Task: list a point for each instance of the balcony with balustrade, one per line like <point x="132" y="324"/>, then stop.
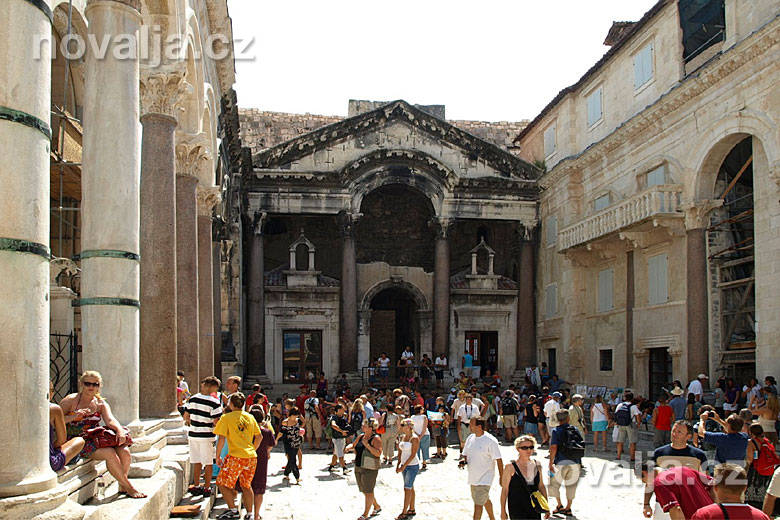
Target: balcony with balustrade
<point x="656" y="205"/>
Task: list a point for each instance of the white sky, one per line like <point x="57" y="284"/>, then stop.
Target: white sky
<point x="486" y="60"/>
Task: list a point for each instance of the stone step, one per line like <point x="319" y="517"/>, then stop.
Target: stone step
<point x="144" y="456"/>
<point x="145" y="469"/>
<point x="177" y="436"/>
<point x="156" y="439"/>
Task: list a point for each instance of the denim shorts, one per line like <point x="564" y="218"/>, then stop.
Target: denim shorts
<point x="410" y="473"/>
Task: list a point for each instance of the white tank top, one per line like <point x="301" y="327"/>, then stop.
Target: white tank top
<point x="419" y="422"/>
<point x="598" y="413"/>
<point x="406" y="450"/>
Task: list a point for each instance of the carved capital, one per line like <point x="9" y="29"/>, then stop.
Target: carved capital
<point x="163" y="92"/>
<point x="346" y="222"/>
<point x="258" y="221"/>
<point x="526" y="230"/>
<point x="697" y="213"/>
<point x="192" y="155"/>
<point x="208" y="198"/>
<point x="442" y="227"/>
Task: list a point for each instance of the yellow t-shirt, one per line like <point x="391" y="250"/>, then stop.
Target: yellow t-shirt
<point x="239" y="428"/>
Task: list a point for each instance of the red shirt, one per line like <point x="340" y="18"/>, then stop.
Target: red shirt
<point x="663" y="417"/>
<point x="300" y="401"/>
<point x="735" y="512"/>
<point x="682" y="487"/>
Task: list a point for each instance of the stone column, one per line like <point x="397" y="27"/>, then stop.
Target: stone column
<point x="25" y="97"/>
<point x="207" y="199"/>
<point x="526" y="328"/>
<point x="190" y="154"/>
<point x="110" y="211"/>
<point x="441" y="289"/>
<point x="216" y="261"/>
<point x="160" y="92"/>
<point x="348" y="328"/>
<point x="256" y="300"/>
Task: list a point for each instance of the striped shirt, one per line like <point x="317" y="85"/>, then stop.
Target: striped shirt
<point x="203" y="409"/>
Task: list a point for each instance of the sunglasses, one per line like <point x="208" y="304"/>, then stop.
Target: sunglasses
<point x="525" y="448"/>
<point x="90" y="383"/>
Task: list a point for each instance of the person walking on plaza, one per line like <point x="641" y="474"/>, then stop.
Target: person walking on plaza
<point x="678" y="403"/>
<point x="465" y="413"/>
<point x="577" y="415"/>
<point x="767" y="413"/>
<point x="761" y="462"/>
<point x="467" y="363"/>
<point x="509" y="408"/>
<point x="340" y="428"/>
<point x="730" y="482"/>
<point x="420" y="420"/>
<point x="408" y="465"/>
<point x="439" y="366"/>
<point x="522" y="478"/>
<point x="566" y="451"/>
<point x="391" y="419"/>
<point x="627" y="418"/>
<point x="439" y="429"/>
<point x="313" y="418"/>
<point x="201" y="413"/>
<point x="598" y="422"/>
<point x="368" y="450"/>
<point x="696" y="387"/>
<point x="290" y="433"/>
<point x="730" y="446"/>
<point x="551" y="408"/>
<point x="662" y="422"/>
<point x="242" y="434"/>
<point x="267" y="443"/>
<point x="481" y="455"/>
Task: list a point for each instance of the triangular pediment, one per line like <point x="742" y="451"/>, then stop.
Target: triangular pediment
<point x="391" y="115"/>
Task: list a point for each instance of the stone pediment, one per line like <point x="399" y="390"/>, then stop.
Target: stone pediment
<point x="396" y="128"/>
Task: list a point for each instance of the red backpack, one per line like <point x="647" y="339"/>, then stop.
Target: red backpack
<point x="767" y="458"/>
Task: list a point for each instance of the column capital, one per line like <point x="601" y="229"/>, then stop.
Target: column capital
<point x="526" y="228"/>
<point x="697" y="213"/>
<point x="133" y="4"/>
<point x="191" y="155"/>
<point x="442" y="227"/>
<point x="208" y="198"/>
<point x="346" y="222"/>
<point x="162" y="92"/>
<point x="258" y="221"/>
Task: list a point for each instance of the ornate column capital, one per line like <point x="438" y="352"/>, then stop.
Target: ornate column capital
<point x="258" y="221"/>
<point x="346" y="222"/>
<point x="526" y="229"/>
<point x="442" y="227"/>
<point x="162" y="92"/>
<point x="208" y="198"/>
<point x="192" y="155"/>
<point x="697" y="213"/>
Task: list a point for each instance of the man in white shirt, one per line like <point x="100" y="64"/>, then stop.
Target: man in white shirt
<point x="471" y="408"/>
<point x="481" y="455"/>
<point x="439" y="366"/>
<point x="696" y="388"/>
<point x="551" y="408"/>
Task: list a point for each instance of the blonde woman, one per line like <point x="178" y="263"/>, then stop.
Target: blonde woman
<point x="599" y="418"/>
<point x="767" y="414"/>
<point x="83" y="411"/>
<point x="390" y="419"/>
<point x="368" y="450"/>
<point x="408" y="465"/>
<point x="519" y="480"/>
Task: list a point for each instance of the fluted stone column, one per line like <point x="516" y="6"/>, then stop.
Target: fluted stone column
<point x="348" y="328"/>
<point x="207" y="199"/>
<point x="256" y="300"/>
<point x="110" y="187"/>
<point x="160" y="92"/>
<point x="526" y="328"/>
<point x="441" y="290"/>
<point x="25" y="97"/>
<point x="190" y="156"/>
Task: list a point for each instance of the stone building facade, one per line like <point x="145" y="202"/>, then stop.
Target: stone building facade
<point x="659" y="211"/>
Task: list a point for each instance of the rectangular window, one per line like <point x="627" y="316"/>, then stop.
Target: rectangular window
<point x="643" y="66"/>
<point x="551" y="231"/>
<point x="302" y="356"/>
<point x="657" y="176"/>
<point x="605" y="360"/>
<point x="551" y="300"/>
<point x="601" y="202"/>
<point x="657" y="284"/>
<point x="606" y="282"/>
<point x="594" y="107"/>
<point x="549" y="140"/>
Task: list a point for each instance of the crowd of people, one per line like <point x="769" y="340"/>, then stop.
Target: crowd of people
<point x="729" y="432"/>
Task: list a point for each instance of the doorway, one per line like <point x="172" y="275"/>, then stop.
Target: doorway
<point x="483" y="346"/>
<point x="394" y="324"/>
<point x="660" y="371"/>
<point x="552" y="361"/>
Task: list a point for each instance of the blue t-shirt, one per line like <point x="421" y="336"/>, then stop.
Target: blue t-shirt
<point x="729" y="447"/>
<point x="555" y="440"/>
<point x="678" y="404"/>
<point x="468" y="361"/>
<point x="690" y="456"/>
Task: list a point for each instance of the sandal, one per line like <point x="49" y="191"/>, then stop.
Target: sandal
<point x="410" y="513"/>
<point x="558" y="510"/>
<point x="402" y="516"/>
<point x="375" y="512"/>
<point x="136" y="494"/>
<point x="566" y="512"/>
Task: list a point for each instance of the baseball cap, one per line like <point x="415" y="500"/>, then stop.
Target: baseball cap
<point x="702" y="376"/>
<point x="557" y="394"/>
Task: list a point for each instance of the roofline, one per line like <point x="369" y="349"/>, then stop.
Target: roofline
<point x="646" y="18"/>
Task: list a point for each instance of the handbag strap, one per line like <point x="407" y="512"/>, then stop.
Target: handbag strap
<point x="725" y="512"/>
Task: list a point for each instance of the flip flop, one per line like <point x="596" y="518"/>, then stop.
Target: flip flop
<point x="375" y="512"/>
<point x="137" y="494"/>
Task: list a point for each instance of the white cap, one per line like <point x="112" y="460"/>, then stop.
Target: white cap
<point x="702" y="376"/>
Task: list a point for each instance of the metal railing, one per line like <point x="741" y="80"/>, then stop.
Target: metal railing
<point x="63" y="357"/>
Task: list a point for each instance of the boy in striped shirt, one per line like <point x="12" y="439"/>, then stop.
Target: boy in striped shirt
<point x="201" y="413"/>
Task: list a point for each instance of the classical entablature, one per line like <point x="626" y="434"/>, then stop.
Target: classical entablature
<point x="331" y="169"/>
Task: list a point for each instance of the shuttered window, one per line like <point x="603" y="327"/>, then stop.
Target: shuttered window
<point x="643" y="66"/>
<point x="605" y="292"/>
<point x="594" y="107"/>
<point x="549" y="140"/>
<point x="601" y="202"/>
<point x="657" y="283"/>
<point x="551" y="300"/>
<point x="551" y="231"/>
<point x="657" y="176"/>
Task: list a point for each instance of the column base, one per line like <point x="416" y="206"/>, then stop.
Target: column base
<point x="38" y="497"/>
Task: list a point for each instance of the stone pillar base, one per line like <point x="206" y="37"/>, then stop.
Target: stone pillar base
<point x="35" y="504"/>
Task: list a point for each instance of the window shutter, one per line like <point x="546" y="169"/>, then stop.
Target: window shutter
<point x="601" y="203"/>
<point x="594" y="107"/>
<point x="549" y="140"/>
<point x="658" y="287"/>
<point x="605" y="291"/>
<point x="551" y="301"/>
<point x="657" y="176"/>
<point x="643" y="66"/>
<point x="551" y="234"/>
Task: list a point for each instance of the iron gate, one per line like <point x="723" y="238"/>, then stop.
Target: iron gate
<point x="63" y="357"/>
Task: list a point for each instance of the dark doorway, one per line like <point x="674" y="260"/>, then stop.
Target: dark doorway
<point x="393" y="324"/>
<point x="483" y="346"/>
<point x="660" y="371"/>
<point x="552" y="363"/>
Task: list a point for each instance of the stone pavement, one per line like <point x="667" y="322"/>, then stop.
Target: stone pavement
<point x="606" y="491"/>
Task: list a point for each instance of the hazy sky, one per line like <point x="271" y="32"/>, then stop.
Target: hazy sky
<point x="486" y="60"/>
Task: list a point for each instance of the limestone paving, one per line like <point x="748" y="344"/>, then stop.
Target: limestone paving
<point x="609" y="489"/>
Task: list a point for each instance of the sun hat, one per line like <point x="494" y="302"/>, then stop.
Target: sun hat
<point x="677" y="391"/>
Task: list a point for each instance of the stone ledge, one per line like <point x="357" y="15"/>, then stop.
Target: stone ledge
<point x="145" y="469"/>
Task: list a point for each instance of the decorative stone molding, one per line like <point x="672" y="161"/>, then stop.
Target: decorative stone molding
<point x="163" y="92"/>
<point x="208" y="198"/>
<point x="697" y="215"/>
<point x="258" y="221"/>
<point x="191" y="155"/>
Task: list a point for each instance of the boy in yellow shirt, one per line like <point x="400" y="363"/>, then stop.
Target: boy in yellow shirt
<point x="243" y="437"/>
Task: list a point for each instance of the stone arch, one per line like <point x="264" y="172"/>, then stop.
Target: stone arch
<point x="208" y="128"/>
<point x="194" y="102"/>
<point x="414" y="291"/>
<point x="76" y="77"/>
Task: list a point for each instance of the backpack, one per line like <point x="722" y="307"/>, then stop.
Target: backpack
<point x="623" y="414"/>
<point x="310" y="406"/>
<point x="767" y="458"/>
<point x="508" y="406"/>
<point x="572" y="445"/>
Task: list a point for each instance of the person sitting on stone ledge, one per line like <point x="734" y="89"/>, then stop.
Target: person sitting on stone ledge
<point x="61" y="450"/>
<point x="83" y="411"/>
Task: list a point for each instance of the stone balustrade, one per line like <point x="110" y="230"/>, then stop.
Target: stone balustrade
<point x="654" y="201"/>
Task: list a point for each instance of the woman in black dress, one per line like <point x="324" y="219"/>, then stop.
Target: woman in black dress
<point x="521" y="478"/>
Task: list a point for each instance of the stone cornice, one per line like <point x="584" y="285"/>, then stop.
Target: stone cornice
<point x="689" y="88"/>
<point x="162" y="92"/>
<point x="191" y="154"/>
